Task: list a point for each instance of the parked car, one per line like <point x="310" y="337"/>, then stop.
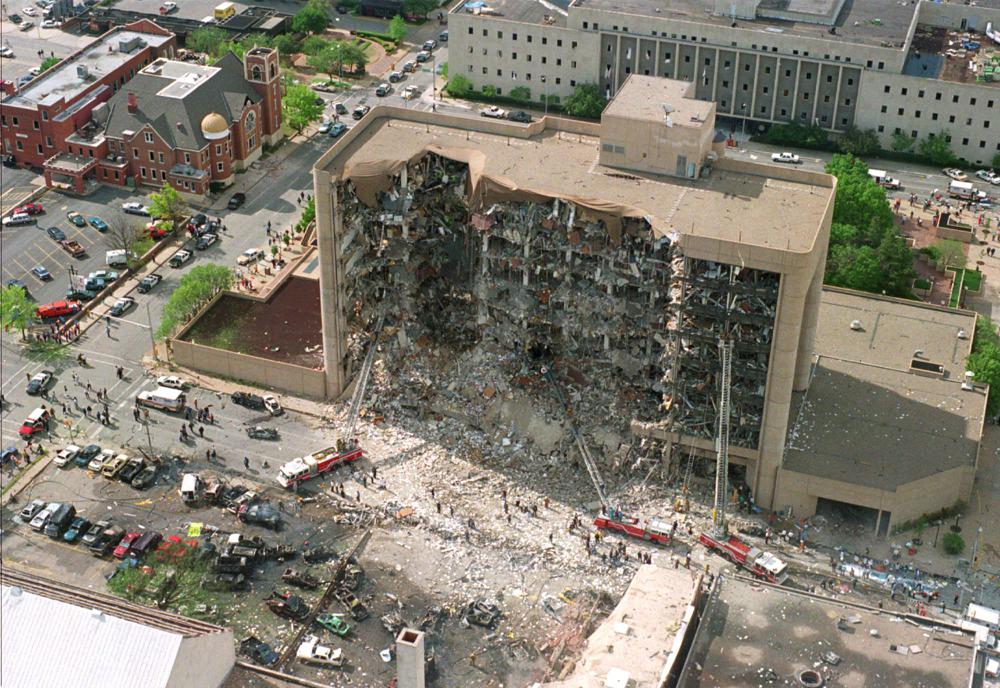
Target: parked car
<point x="59" y="521"/>
<point x="57" y="309"/>
<point x="76" y="529"/>
<point x="30" y="209"/>
<point x="134" y="208"/>
<point x="20" y="285"/>
<point x="5" y="51"/>
<point x="334" y="623"/>
<point x="104" y="277"/>
<point x="257" y="432"/>
<point x="171" y="381"/>
<point x="251" y="255"/>
<point x="337" y="129"/>
<point x="311" y="652"/>
<point x="29" y="512"/>
<point x="789" y="158"/>
<point x="206" y="240"/>
<point x="56" y="233"/>
<point x="125" y="544"/>
<point x="81" y="294"/>
<point x="17" y="219"/>
<point x="272" y="405"/>
<point x="493" y="112"/>
<point x="360" y="111"/>
<point x="179" y="258"/>
<point x="236" y="200"/>
<point x="66" y="455"/>
<point x="340" y="108"/>
<point x="395" y="77"/>
<point x="956" y="174"/>
<point x="41" y="273"/>
<point x="253" y="402"/>
<point x="112" y="468"/>
<point x="86" y="455"/>
<point x="36" y="422"/>
<point x="423" y="56"/>
<point x="146" y="543"/>
<point x="39" y="383"/>
<point x="519" y="116"/>
<point x="259" y="652"/>
<point x="106" y="542"/>
<point x="122" y="306"/>
<point x="261" y="514"/>
<point x="132" y="468"/>
<point x="145" y="478"/>
<point x="148" y="282"/>
<point x="288" y="606"/>
<point x="324" y="128"/>
<point x="98" y="224"/>
<point x="76" y="218"/>
<point x="40" y="519"/>
<point x="97" y="463"/>
<point x="410" y="66"/>
<point x="430" y="45"/>
<point x="94" y="532"/>
<point x="224" y="582"/>
<point x="987" y="176"/>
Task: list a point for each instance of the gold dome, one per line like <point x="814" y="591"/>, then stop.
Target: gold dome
<point x="214" y="123"/>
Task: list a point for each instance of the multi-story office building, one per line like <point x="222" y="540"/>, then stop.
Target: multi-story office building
<point x="917" y="68"/>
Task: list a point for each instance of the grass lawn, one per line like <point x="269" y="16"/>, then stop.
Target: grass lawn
<point x="973" y="280"/>
<point x="956" y="288"/>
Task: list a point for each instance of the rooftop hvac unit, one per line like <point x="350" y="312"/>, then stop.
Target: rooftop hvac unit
<point x="82" y="72"/>
<point x="968" y="386"/>
<point x="856" y="325"/>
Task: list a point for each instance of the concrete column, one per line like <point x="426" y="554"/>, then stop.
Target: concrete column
<point x="774" y="87"/>
<point x="836" y="98"/>
<point x="328" y="235"/>
<point x="410" y="659"/>
<point x="810" y="318"/>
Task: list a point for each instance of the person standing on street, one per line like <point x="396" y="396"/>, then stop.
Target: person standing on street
<point x="246" y="462"/>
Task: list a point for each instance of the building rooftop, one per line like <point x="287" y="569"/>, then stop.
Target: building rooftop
<point x="749" y="208"/>
<point x="866" y="418"/>
<point x="965" y="57"/>
<point x="650" y="98"/>
<point x="550" y="13"/>
<point x="637" y="636"/>
<point x="100" y="58"/>
<point x="753" y="634"/>
<point x="872" y="22"/>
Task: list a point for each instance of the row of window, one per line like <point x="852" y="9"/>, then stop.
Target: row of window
<point x="937" y="96"/>
<point x="527" y="77"/>
<point x="529" y="37"/>
<point x="934" y="116"/>
<point x="914" y="134"/>
<point x="528" y="58"/>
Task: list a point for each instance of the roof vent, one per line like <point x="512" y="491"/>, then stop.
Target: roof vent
<point x="962" y="334"/>
<point x="856" y="325"/>
<point x="97" y="614"/>
<point x="926" y="368"/>
<point x="15" y="591"/>
<point x="968" y="385"/>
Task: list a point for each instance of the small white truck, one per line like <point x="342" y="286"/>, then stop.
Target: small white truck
<point x="789" y="158"/>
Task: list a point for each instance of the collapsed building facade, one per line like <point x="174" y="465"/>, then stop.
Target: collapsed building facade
<point x="632" y="245"/>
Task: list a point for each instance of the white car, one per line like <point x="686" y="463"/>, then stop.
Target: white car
<point x="251" y="255"/>
<point x="171" y="381"/>
<point x="311" y="652"/>
<point x="66" y="455"/>
<point x="122" y="306"/>
<point x="272" y="405"/>
<point x="955" y="173"/>
<point x="411" y="92"/>
<point x="97" y="463"/>
<point x="789" y="158"/>
<point x="988" y="176"/>
<point x="134" y="208"/>
<point x="50" y="24"/>
<point x="30" y="11"/>
<point x="6" y="52"/>
<point x="493" y="112"/>
<point x="179" y="258"/>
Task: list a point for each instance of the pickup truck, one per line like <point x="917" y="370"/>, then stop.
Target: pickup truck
<point x="72" y="247"/>
<point x="790" y="158"/>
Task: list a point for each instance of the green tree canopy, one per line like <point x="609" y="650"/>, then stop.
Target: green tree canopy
<point x="950" y="253"/>
<point x="313" y="45"/>
<point x="206" y="39"/>
<point x="16" y="309"/>
<point x="299" y="106"/>
<point x="168" y="204"/>
<point x="901" y="142"/>
<point x="937" y="149"/>
<point x="193" y="291"/>
<point x="458" y="86"/>
<point x="49" y="62"/>
<point x="860" y="142"/>
<point x="984" y="361"/>
<point x="312" y="18"/>
<point x="325" y="61"/>
<point x="397" y="29"/>
<point x="419" y="8"/>
<point x="585" y="101"/>
<point x="520" y="93"/>
<point x="286" y="44"/>
<point x="354" y="55"/>
<point x="996" y="162"/>
<point x="860" y="201"/>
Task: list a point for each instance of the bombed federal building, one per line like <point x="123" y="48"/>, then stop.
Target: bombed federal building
<point x="612" y="260"/>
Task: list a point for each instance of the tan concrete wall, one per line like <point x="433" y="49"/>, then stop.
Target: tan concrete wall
<point x="284" y="377"/>
<point x="203" y="661"/>
<point x="800" y="491"/>
<point x="654" y="147"/>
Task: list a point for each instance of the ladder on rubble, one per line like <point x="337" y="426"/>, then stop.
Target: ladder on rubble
<point x="363" y="377"/>
<point x="581" y="445"/>
<point x="722" y="438"/>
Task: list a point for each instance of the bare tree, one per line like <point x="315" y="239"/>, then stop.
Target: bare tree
<point x="122" y="234"/>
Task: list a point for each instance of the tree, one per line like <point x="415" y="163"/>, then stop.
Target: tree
<point x="953" y="543"/>
<point x="16" y="309"/>
<point x="122" y="234"/>
<point x="286" y="44"/>
<point x="951" y="253"/>
<point x="984" y="361"/>
<point x="897" y="264"/>
<point x="798" y="136"/>
<point x="312" y="18"/>
<point x="313" y="45"/>
<point x="585" y="101"/>
<point x="397" y="29"/>
<point x="458" y="86"/>
<point x="860" y="142"/>
<point x="858" y="268"/>
<point x="354" y="55"/>
<point x="49" y="62"/>
<point x="168" y="204"/>
<point x="326" y="61"/>
<point x="996" y="162"/>
<point x="520" y="93"/>
<point x="206" y="39"/>
<point x="299" y="106"/>
<point x="937" y="149"/>
<point x="193" y="291"/>
<point x="419" y="8"/>
<point x="901" y="142"/>
<point x="860" y="202"/>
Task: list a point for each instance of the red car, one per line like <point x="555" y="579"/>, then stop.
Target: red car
<point x="57" y="309"/>
<point x="30" y="209"/>
<point x="37" y="422"/>
<point x="158" y="230"/>
<point x="122" y="550"/>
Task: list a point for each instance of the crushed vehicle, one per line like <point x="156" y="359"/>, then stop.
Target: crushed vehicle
<point x="224" y="582"/>
<point x="229" y="564"/>
<point x="482" y="613"/>
<point x="300" y="579"/>
<point x="258" y="651"/>
<point x="261" y="514"/>
<point x="311" y="652"/>
<point x="357" y="610"/>
<point x="318" y="555"/>
<point x="258" y="432"/>
<point x="288" y="606"/>
<point x="253" y="402"/>
<point x="334" y="623"/>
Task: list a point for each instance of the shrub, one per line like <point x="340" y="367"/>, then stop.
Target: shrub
<point x="489" y="91"/>
<point x="458" y="86"/>
<point x="953" y="543"/>
<point x="521" y="93"/>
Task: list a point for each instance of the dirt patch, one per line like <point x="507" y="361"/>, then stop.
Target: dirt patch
<point x="288" y="328"/>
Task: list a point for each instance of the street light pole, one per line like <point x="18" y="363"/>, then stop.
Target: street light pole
<point x="743" y="135"/>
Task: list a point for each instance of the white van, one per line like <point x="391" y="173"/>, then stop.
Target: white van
<point x="190" y="488"/>
<point x="964" y="190"/>
<point x="882" y="178"/>
<point x="163" y="398"/>
<point x="116" y="258"/>
<point x="18" y="219"/>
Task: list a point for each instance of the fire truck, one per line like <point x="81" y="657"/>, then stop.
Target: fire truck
<point x="652" y="530"/>
<point x="758" y="562"/>
<point x="308" y="467"/>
